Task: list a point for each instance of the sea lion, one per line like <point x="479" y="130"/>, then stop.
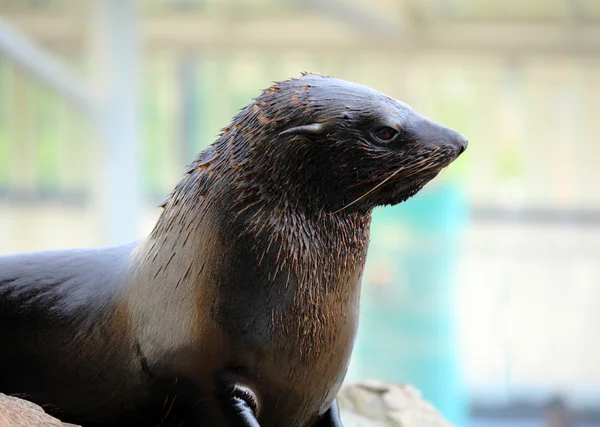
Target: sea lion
<point x="241" y="306"/>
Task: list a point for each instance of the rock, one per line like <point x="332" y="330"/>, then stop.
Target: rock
<point x="380" y="404"/>
<point x="15" y="412"/>
<point x="364" y="404"/>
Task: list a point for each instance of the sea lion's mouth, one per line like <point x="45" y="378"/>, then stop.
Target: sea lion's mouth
<point x="398" y="183"/>
<point x="431" y="165"/>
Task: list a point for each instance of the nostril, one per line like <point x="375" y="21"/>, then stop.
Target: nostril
<point x="463" y="142"/>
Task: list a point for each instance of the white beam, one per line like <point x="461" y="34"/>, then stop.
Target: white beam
<point x="367" y="20"/>
<point x="318" y="34"/>
<point x="431" y="10"/>
<point x="324" y="36"/>
<point x="46" y="68"/>
<point x="576" y="11"/>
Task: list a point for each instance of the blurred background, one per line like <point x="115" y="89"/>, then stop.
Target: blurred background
<point x="483" y="290"/>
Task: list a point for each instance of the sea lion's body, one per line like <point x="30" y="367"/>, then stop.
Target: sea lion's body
<point x="70" y="347"/>
<point x="249" y="281"/>
<point x="89" y="345"/>
<point x="63" y="339"/>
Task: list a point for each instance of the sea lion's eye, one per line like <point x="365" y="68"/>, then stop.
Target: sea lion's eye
<point x="385" y="133"/>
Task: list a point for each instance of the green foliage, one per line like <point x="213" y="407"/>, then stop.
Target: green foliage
<point x="154" y="139"/>
<point x="46" y="122"/>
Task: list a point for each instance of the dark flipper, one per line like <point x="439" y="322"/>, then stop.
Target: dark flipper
<point x="239" y="412"/>
<point x="239" y="406"/>
<point x="331" y="418"/>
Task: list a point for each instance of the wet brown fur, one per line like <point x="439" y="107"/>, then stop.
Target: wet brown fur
<point x="251" y="233"/>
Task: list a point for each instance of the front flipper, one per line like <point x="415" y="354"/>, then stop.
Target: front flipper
<point x="331" y="418"/>
<point x="240" y="407"/>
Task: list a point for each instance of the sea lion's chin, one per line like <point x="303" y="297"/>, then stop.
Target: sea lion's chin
<point x="403" y="191"/>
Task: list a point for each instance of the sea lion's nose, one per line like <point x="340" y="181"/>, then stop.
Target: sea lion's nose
<point x="430" y="132"/>
<point x="462" y="143"/>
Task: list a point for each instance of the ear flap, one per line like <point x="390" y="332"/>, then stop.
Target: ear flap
<point x="312" y="129"/>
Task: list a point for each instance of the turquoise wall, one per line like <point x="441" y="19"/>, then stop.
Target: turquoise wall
<point x="407" y="330"/>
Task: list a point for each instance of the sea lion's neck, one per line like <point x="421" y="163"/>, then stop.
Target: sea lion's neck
<point x="231" y="210"/>
<point x="221" y="203"/>
<point x="238" y="187"/>
<point x="302" y="268"/>
<point x="220" y="244"/>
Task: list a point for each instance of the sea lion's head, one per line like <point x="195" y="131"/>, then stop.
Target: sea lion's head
<point x="334" y="145"/>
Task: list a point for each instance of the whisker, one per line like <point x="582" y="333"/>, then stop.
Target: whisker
<point x="412" y="171"/>
<point x="376" y="178"/>
<point x="369" y="192"/>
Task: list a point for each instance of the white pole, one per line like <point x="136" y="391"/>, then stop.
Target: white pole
<point x="115" y="52"/>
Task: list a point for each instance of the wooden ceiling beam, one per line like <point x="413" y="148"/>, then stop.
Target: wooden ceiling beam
<point x="319" y="34"/>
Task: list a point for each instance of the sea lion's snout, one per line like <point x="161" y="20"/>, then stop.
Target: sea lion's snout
<point x="463" y="143"/>
<point x="433" y="134"/>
